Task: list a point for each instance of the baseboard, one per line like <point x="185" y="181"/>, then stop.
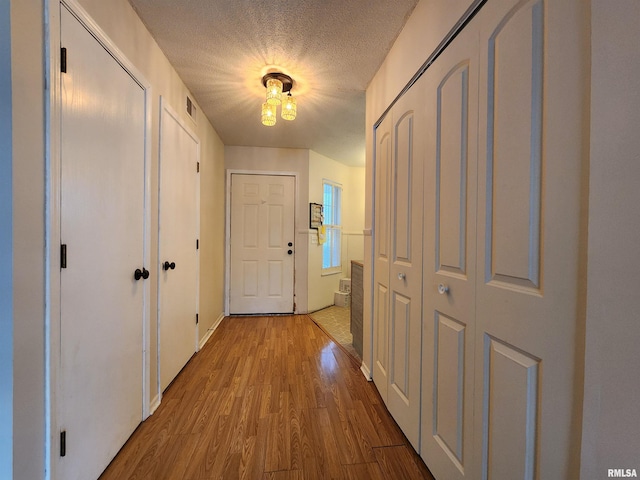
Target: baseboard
<point x="155" y="403"/>
<point x="207" y="335"/>
<point x="365" y="371"/>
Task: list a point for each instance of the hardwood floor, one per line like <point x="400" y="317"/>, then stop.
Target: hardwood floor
<point x="269" y="398"/>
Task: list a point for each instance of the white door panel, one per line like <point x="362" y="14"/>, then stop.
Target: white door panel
<point x="529" y="169"/>
<point x="449" y="260"/>
<point x="178" y="231"/>
<point x="102" y="223"/>
<point x="262" y="244"/>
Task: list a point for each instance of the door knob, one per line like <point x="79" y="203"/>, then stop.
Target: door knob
<point x="401" y="276"/>
<point x="167" y="265"/>
<point x="290" y="244"/>
<point x="145" y="273"/>
<point x="137" y="274"/>
<point x="290" y="252"/>
<point x="442" y="289"/>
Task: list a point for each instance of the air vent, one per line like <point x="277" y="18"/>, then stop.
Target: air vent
<point x="191" y="109"/>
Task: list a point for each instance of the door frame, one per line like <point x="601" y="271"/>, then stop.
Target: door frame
<point x="53" y="162"/>
<point x="227" y="226"/>
<point x="165" y="106"/>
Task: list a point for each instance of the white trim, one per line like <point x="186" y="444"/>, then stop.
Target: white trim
<point x="53" y="132"/>
<point x="366" y="372"/>
<point x="155" y="403"/>
<point x="227" y="224"/>
<point x="210" y="331"/>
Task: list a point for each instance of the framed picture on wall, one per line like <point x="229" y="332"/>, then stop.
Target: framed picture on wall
<point x="315" y="215"/>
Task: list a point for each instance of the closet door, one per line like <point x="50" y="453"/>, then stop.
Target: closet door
<point x="450" y="185"/>
<point x="405" y="269"/>
<point x="530" y="170"/>
<point x="382" y="254"/>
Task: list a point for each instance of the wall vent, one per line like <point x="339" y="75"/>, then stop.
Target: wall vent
<point x="191" y="109"/>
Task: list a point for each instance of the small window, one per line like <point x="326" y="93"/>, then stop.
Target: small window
<point x="331" y="249"/>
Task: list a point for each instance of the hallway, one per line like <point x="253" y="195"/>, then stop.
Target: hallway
<point x="269" y="398"/>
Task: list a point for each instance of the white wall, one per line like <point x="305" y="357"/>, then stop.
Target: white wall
<point x="291" y="160"/>
<point x="352" y="181"/>
<point x="430" y="21"/>
<point x="611" y="428"/>
<point x="6" y="249"/>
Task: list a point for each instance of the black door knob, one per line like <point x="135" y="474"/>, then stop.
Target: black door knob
<point x="290" y="244"/>
<point x="167" y="265"/>
<point x="289" y="252"/>
<point x="145" y="273"/>
<point x="137" y="274"/>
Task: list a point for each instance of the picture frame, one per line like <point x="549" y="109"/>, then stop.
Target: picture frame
<point x="316" y="215"/>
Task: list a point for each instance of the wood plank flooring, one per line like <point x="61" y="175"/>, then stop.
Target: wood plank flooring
<point x="269" y="398"/>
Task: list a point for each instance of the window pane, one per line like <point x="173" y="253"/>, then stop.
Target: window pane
<point x="326" y="251"/>
<point x="335" y="249"/>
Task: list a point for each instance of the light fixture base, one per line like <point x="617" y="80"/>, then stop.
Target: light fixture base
<point x="287" y="81"/>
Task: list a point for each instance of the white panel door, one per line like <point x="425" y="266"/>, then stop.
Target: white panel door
<point x="382" y="255"/>
<point x="102" y="223"/>
<point x="405" y="270"/>
<point x="177" y="253"/>
<point x="531" y="136"/>
<point x="262" y="244"/>
<point x="450" y="188"/>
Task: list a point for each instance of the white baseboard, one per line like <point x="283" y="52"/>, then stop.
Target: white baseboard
<point x="207" y="335"/>
<point x="155" y="403"/>
<point x="365" y="371"/>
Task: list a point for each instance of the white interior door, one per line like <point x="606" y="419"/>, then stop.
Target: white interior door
<point x="382" y="255"/>
<point x="405" y="269"/>
<point x="531" y="135"/>
<point x="100" y="400"/>
<point x="262" y="244"/>
<point x="451" y="83"/>
<point x="177" y="252"/>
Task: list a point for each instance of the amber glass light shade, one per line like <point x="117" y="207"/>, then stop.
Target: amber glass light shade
<point x="274" y="91"/>
<point x="268" y="114"/>
<point x="289" y="108"/>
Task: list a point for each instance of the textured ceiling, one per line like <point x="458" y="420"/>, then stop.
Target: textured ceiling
<point x="331" y="49"/>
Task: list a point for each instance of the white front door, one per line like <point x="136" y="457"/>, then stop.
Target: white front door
<point x="262" y="244"/>
<point x="100" y="400"/>
<point x="177" y="249"/>
<point x="451" y="85"/>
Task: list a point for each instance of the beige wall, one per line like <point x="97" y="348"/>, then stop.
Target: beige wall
<point x="352" y="181"/>
<point x="28" y="239"/>
<point x="121" y="24"/>
<point x="611" y="428"/>
<point x="289" y="160"/>
<point x="430" y="21"/>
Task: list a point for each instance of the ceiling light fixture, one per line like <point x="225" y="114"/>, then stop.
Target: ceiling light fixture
<point x="277" y="84"/>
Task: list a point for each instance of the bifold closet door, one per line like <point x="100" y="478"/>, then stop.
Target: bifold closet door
<point x="450" y="185"/>
<point x="531" y="136"/>
<point x="398" y="276"/>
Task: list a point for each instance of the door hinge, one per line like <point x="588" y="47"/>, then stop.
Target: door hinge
<point x="63" y="443"/>
<point x="63" y="256"/>
<point x="198" y="167"/>
<point x="197" y="243"/>
<point x="63" y="59"/>
<point x="197" y="320"/>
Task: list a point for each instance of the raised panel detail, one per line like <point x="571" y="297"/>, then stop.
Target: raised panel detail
<point x="403" y="187"/>
<point x="400" y="332"/>
<point x="275" y="278"/>
<point x="250" y="278"/>
<point x="276" y="226"/>
<point x="383" y="154"/>
<point x="448" y="386"/>
<point x="514" y="148"/>
<point x="276" y="190"/>
<point x="381" y="319"/>
<point x="250" y="226"/>
<point x="511" y="379"/>
<point x="451" y="170"/>
<point x="251" y="189"/>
